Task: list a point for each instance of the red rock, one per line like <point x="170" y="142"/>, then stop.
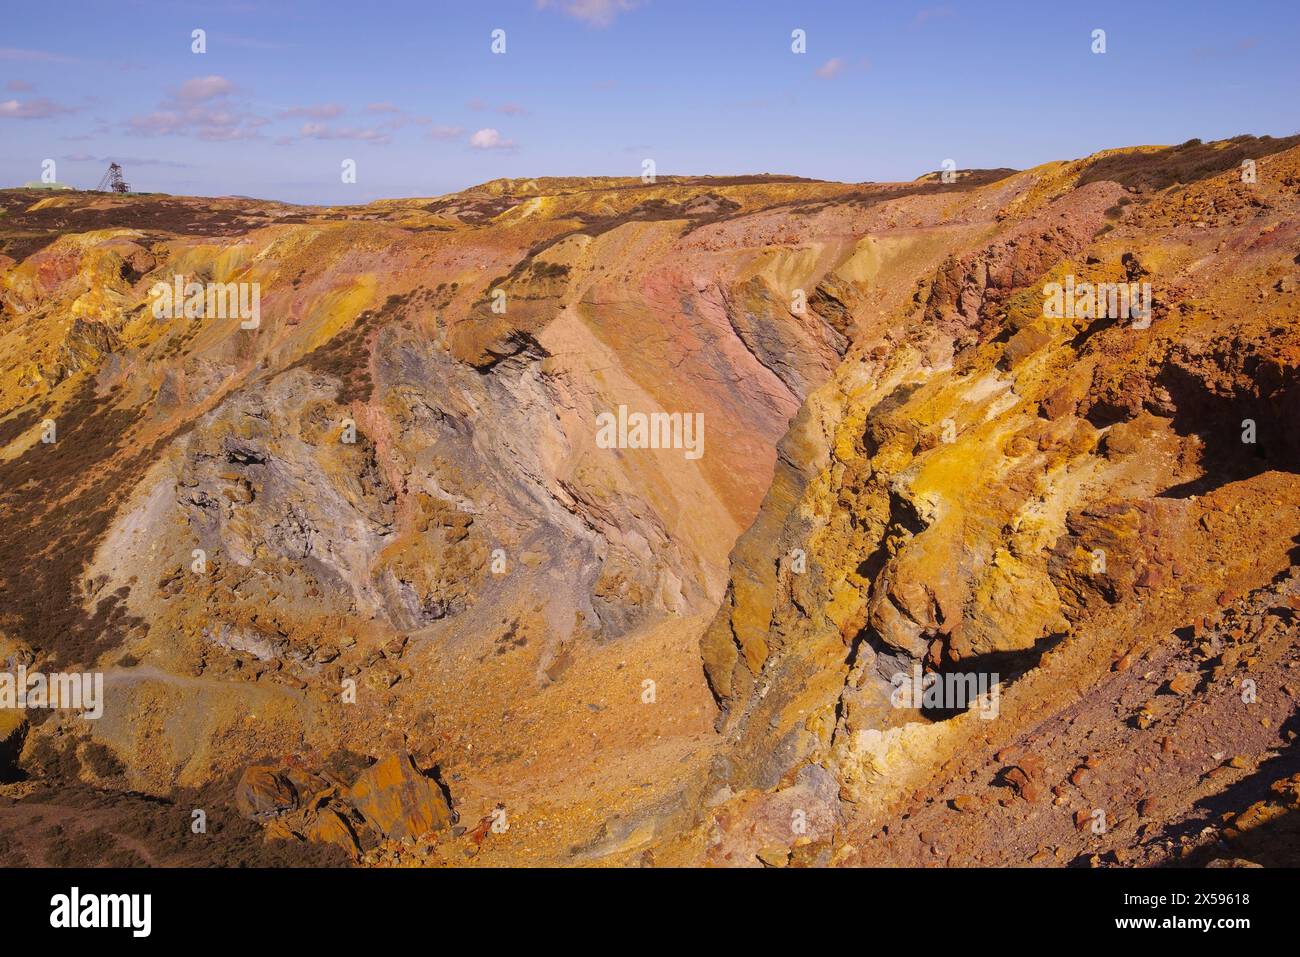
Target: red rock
<point x="1032" y="764"/>
<point x="1023" y="785"/>
<point x="1151" y="577"/>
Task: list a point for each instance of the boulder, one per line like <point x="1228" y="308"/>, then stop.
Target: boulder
<point x="272" y="789"/>
<point x="399" y="801"/>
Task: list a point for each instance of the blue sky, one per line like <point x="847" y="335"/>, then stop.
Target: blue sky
<point x="413" y="93"/>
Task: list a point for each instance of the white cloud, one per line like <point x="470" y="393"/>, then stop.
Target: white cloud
<point x="203" y="122"/>
<point x="38" y="109"/>
<point x="489" y="139"/>
<point x="188" y="112"/>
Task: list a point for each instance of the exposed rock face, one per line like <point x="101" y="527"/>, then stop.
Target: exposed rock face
<point x="381" y="518"/>
<point x="378" y="531"/>
<point x="993" y="483"/>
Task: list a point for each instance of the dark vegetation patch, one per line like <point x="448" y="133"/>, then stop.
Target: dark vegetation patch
<point x="515" y="343"/>
<point x="346" y="356"/>
<point x="96" y="847"/>
<point x="872" y="194"/>
<point x="101" y="759"/>
<point x="53" y="758"/>
<point x="177" y="339"/>
<point x="23" y="233"/>
<point x="543" y="271"/>
<point x="1186" y="163"/>
<point x="1114" y="212"/>
<point x="978" y="177"/>
<point x="441" y="297"/>
<point x="510" y="639"/>
<point x="27" y="232"/>
<point x="11" y="747"/>
<point x="472" y="210"/>
<point x="11" y="855"/>
<point x="58" y="500"/>
<point x="17" y="424"/>
<point x="753" y="179"/>
<point x="109" y="825"/>
<point x="696" y="212"/>
<point x="559" y="186"/>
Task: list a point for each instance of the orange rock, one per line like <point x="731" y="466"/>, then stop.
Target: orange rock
<point x="1184" y="683"/>
<point x="398" y="800"/>
<point x="330" y="827"/>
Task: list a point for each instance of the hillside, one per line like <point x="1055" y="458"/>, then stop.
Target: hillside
<point x="366" y="584"/>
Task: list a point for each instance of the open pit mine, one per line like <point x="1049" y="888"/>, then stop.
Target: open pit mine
<point x="750" y="522"/>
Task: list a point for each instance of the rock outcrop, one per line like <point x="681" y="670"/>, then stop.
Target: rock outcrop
<point x="995" y="492"/>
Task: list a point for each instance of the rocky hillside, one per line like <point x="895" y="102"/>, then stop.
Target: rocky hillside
<point x="366" y="581"/>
